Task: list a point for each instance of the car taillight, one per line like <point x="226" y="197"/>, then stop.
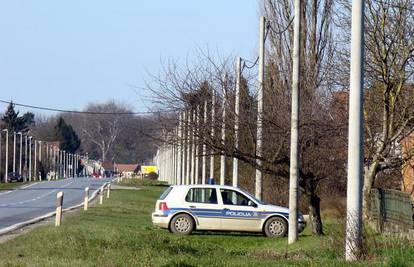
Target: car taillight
<point x="163" y="206"/>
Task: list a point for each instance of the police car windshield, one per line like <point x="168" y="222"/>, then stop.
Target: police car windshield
<point x="254" y="198"/>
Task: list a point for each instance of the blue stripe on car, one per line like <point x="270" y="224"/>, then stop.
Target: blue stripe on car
<point x="226" y="214"/>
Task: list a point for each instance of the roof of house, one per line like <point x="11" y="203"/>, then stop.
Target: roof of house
<point x="126" y="167"/>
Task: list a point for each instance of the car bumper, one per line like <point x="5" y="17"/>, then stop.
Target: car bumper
<point x="301" y="226"/>
<point x="160" y="220"/>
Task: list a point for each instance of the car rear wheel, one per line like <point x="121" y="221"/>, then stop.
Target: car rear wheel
<point x="182" y="224"/>
<point x="276" y="227"/>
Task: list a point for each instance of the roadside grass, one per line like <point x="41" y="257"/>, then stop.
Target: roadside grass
<point x="120" y="233"/>
<point x="8" y="186"/>
<point x="138" y="182"/>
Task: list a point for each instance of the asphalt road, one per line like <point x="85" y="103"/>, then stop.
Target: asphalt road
<point x="38" y="199"/>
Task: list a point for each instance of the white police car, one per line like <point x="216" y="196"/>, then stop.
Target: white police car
<point x="184" y="208"/>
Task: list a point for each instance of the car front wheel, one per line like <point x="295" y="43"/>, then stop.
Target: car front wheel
<point x="276" y="227"/>
<point x="182" y="224"/>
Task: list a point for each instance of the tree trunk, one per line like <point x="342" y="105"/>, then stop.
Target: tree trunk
<point x="315" y="214"/>
<point x="369" y="175"/>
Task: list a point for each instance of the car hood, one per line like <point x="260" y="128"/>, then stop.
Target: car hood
<point x="274" y="208"/>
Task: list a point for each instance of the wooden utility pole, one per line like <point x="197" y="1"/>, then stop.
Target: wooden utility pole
<point x="294" y="132"/>
<point x="353" y="242"/>
<point x="236" y="122"/>
<point x="259" y="174"/>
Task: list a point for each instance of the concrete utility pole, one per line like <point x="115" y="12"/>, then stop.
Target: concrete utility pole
<point x="14" y="151"/>
<point x="294" y="132"/>
<point x="223" y="135"/>
<point x="183" y="148"/>
<point x="193" y="127"/>
<point x="197" y="147"/>
<point x="25" y="158"/>
<point x="355" y="136"/>
<point x="35" y="161"/>
<point x="7" y="154"/>
<point x="30" y="158"/>
<point x="40" y="152"/>
<point x="20" y="154"/>
<point x="236" y="122"/>
<point x="1" y="137"/>
<point x="213" y="113"/>
<point x="259" y="174"/>
<point x="179" y="149"/>
<point x="187" y="176"/>
<point x="204" y="158"/>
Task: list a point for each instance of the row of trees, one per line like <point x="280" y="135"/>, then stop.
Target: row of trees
<point x="107" y="131"/>
<point x="324" y="82"/>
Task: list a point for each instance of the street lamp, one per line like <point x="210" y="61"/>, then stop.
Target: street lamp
<point x="7" y="154"/>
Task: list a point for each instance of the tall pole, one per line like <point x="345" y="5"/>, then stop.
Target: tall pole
<point x="236" y="122"/>
<point x="35" y="161"/>
<point x="7" y="155"/>
<point x="213" y="111"/>
<point x="192" y="125"/>
<point x="14" y="151"/>
<point x="25" y="158"/>
<point x="1" y="137"/>
<point x="204" y="158"/>
<point x="294" y="132"/>
<point x="223" y="136"/>
<point x="21" y="152"/>
<point x="183" y="149"/>
<point x="187" y="176"/>
<point x="30" y="158"/>
<point x="355" y="136"/>
<point x="179" y="148"/>
<point x="197" y="147"/>
<point x="259" y="174"/>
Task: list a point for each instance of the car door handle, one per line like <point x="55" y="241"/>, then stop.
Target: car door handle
<point x="226" y="209"/>
<point x="193" y="207"/>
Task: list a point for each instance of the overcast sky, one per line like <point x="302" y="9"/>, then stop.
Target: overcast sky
<point x="65" y="54"/>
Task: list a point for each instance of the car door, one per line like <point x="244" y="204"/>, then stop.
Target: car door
<point x="203" y="204"/>
<point x="239" y="211"/>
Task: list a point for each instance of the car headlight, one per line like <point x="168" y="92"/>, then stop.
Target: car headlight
<point x="300" y="218"/>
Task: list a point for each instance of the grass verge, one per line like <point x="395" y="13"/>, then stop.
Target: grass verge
<point x="120" y="233"/>
<point x="8" y="186"/>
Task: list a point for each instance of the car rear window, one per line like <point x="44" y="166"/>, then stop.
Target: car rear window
<point x="166" y="192"/>
<point x="202" y="195"/>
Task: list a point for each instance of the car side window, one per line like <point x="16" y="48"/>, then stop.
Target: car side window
<point x="231" y="197"/>
<point x="202" y="195"/>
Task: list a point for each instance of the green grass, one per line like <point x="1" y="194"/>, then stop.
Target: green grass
<point x="120" y="233"/>
<point x="138" y="182"/>
<point x="8" y="186"/>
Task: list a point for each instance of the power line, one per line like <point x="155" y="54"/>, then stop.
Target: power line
<point x="84" y="112"/>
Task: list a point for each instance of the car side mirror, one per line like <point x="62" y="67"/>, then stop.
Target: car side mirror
<point x="252" y="204"/>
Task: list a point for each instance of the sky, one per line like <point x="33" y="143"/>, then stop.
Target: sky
<point x="66" y="54"/>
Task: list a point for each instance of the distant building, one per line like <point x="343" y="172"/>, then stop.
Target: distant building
<point x="125" y="170"/>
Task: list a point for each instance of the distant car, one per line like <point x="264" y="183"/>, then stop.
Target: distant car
<point x="184" y="208"/>
<point x="14" y="177"/>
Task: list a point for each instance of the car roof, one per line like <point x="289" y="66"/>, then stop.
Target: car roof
<point x="205" y="185"/>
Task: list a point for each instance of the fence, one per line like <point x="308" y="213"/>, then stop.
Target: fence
<point x="391" y="211"/>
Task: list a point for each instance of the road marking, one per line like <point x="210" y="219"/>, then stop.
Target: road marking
<point x="36" y="198"/>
